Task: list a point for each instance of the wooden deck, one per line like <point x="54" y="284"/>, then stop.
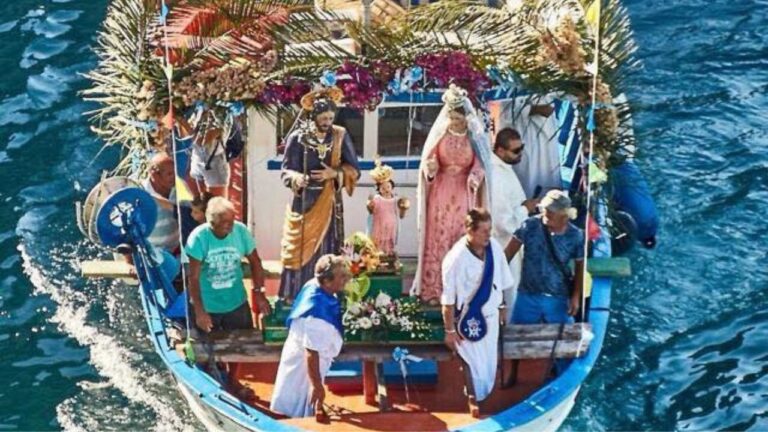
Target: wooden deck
<point x="439" y="408"/>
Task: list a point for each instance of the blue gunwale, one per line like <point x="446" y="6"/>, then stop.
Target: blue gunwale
<point x="543" y="400"/>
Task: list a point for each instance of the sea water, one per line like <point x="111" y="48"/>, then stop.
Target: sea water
<point x="686" y="344"/>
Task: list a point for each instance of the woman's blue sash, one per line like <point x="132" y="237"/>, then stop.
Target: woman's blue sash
<point x="313" y="301"/>
<point x="471" y="322"/>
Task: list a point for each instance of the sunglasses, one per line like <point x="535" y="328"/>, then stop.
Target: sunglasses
<point x="518" y="150"/>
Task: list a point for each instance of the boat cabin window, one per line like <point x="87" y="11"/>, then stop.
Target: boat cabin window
<point x="346" y="117"/>
<point x="283" y="123"/>
<point x="393" y="129"/>
<point x="352" y="121"/>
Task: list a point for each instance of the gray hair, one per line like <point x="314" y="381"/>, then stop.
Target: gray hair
<point x="326" y="264"/>
<point x="218" y="206"/>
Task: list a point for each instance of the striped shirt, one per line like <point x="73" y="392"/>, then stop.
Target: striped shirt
<point x="165" y="235"/>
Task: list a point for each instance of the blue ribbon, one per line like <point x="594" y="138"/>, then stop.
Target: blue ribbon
<point x="163" y="13"/>
<point x="400" y="354"/>
<point x="472" y="325"/>
<point x="236" y="108"/>
<point x="328" y="79"/>
<point x="405" y="80"/>
<point x="507" y="80"/>
<point x="591" y="119"/>
<point x="146" y="126"/>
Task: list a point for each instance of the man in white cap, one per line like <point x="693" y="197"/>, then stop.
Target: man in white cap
<point x="548" y="291"/>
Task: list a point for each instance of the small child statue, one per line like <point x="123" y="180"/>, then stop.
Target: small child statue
<point x="386" y="209"/>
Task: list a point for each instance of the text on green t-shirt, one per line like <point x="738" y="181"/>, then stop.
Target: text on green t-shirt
<point x="221" y="275"/>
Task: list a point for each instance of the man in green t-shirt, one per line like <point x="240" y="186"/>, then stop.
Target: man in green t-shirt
<point x="215" y="250"/>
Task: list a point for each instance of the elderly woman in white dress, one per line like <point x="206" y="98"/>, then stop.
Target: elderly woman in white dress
<point x="314" y="339"/>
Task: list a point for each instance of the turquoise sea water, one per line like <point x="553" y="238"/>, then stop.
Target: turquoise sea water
<point x="686" y="345"/>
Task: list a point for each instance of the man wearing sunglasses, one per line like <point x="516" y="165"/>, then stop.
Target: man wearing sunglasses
<point x="509" y="206"/>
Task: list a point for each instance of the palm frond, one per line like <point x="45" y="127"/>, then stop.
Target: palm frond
<point x="242" y="12"/>
<point x="124" y="66"/>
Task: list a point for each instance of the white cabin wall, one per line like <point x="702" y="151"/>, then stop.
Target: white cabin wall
<point x="268" y="198"/>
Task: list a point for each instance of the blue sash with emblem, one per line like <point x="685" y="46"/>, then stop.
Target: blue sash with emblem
<point x="471" y="323"/>
<point x="313" y="301"/>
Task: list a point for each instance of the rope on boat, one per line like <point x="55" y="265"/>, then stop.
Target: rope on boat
<point x="168" y="67"/>
<point x="592" y="16"/>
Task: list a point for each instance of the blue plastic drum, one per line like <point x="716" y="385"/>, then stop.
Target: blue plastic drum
<point x="134" y="205"/>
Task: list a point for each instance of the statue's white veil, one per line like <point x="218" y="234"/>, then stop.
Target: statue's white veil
<point x="480" y="141"/>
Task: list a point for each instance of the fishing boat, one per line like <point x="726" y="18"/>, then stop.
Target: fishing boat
<point x="396" y="384"/>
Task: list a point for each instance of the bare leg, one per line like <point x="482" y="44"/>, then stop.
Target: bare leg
<point x="220" y="191"/>
<point x="195" y="187"/>
<point x="469" y="386"/>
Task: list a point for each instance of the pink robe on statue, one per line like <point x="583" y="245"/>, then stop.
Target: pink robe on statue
<point x="448" y="200"/>
<point x="384" y="230"/>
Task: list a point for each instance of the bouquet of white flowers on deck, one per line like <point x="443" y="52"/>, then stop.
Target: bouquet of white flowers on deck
<point x="384" y="315"/>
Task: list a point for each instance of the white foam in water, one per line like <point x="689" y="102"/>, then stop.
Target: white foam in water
<point x="67" y="416"/>
<point x="8" y="26"/>
<point x="105" y="355"/>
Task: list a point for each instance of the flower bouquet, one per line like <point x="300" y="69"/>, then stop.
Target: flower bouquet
<point x="382" y="317"/>
<point x="363" y="258"/>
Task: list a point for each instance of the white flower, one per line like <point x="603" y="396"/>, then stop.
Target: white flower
<point x="365" y="323"/>
<point x="454" y="96"/>
<point x="354" y="309"/>
<point x="383" y="300"/>
<point x="376" y="321"/>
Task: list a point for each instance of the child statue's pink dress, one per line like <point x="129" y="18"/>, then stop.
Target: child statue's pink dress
<point x="385" y="223"/>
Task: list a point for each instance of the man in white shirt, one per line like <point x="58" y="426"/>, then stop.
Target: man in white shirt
<point x="537" y="125"/>
<point x="160" y="184"/>
<point x="314" y="340"/>
<point x="475" y="272"/>
<point x="509" y="208"/>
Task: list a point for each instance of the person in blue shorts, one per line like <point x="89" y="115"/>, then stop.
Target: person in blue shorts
<point x="548" y="291"/>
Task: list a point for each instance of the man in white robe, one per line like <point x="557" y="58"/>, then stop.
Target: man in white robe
<point x="314" y="340"/>
<point x="463" y="268"/>
<point x="536" y="122"/>
<point x="509" y="208"/>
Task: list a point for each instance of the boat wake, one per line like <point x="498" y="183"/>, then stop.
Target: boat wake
<point x="125" y="370"/>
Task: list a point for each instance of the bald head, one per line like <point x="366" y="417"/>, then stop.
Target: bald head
<point x="160" y="161"/>
<point x="161" y="173"/>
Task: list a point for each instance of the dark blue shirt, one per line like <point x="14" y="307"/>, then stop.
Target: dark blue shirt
<point x="293" y="161"/>
<point x="540" y="274"/>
